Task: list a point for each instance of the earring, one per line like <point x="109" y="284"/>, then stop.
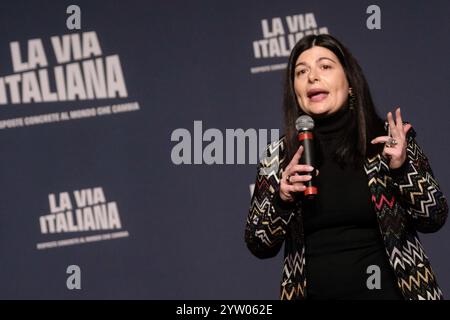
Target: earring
<point x="351" y="99"/>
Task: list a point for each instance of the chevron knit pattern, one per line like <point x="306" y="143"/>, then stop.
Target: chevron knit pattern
<point x="403" y="205"/>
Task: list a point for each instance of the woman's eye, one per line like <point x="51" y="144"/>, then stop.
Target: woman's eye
<point x="325" y="66"/>
<point x="301" y="71"/>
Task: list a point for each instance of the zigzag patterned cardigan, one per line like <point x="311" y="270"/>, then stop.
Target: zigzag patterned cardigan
<point x="403" y="204"/>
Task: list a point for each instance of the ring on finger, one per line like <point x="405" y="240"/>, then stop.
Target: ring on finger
<point x="391" y="142"/>
<point x="288" y="179"/>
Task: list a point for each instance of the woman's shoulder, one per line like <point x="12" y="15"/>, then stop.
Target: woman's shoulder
<point x="276" y="147"/>
<point x="272" y="157"/>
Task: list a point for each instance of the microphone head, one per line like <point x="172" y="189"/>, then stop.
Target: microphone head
<point x="304" y="122"/>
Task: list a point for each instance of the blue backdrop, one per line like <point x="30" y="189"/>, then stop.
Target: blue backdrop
<point x="89" y="120"/>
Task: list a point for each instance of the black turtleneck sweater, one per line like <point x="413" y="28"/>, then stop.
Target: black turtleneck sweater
<point x="342" y="237"/>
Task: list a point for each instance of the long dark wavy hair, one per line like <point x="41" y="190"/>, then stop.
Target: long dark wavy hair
<point x="365" y="124"/>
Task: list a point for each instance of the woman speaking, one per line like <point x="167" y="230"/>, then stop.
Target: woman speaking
<point x="357" y="237"/>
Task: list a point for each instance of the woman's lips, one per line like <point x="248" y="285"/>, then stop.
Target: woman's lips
<point x="317" y="94"/>
<point x="318" y="97"/>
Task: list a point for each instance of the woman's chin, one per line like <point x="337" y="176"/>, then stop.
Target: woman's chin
<point x="319" y="112"/>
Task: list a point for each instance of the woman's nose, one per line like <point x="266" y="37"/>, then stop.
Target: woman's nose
<point x="312" y="76"/>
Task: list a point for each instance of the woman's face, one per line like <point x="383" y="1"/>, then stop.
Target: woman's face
<point x="320" y="83"/>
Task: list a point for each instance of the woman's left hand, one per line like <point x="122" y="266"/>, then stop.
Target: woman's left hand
<point x="395" y="142"/>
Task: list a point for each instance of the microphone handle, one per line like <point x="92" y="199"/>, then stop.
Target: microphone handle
<point x="306" y="139"/>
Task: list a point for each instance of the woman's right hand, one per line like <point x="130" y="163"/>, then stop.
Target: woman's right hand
<point x="292" y="180"/>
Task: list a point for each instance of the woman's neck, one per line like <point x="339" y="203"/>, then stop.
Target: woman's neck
<point x="332" y="126"/>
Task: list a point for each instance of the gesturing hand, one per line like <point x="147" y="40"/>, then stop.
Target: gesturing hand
<point x="395" y="142"/>
<point x="291" y="181"/>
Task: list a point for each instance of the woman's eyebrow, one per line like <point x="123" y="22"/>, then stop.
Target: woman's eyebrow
<point x="321" y="58"/>
<point x="325" y="58"/>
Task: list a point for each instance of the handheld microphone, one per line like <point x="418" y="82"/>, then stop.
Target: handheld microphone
<point x="304" y="125"/>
